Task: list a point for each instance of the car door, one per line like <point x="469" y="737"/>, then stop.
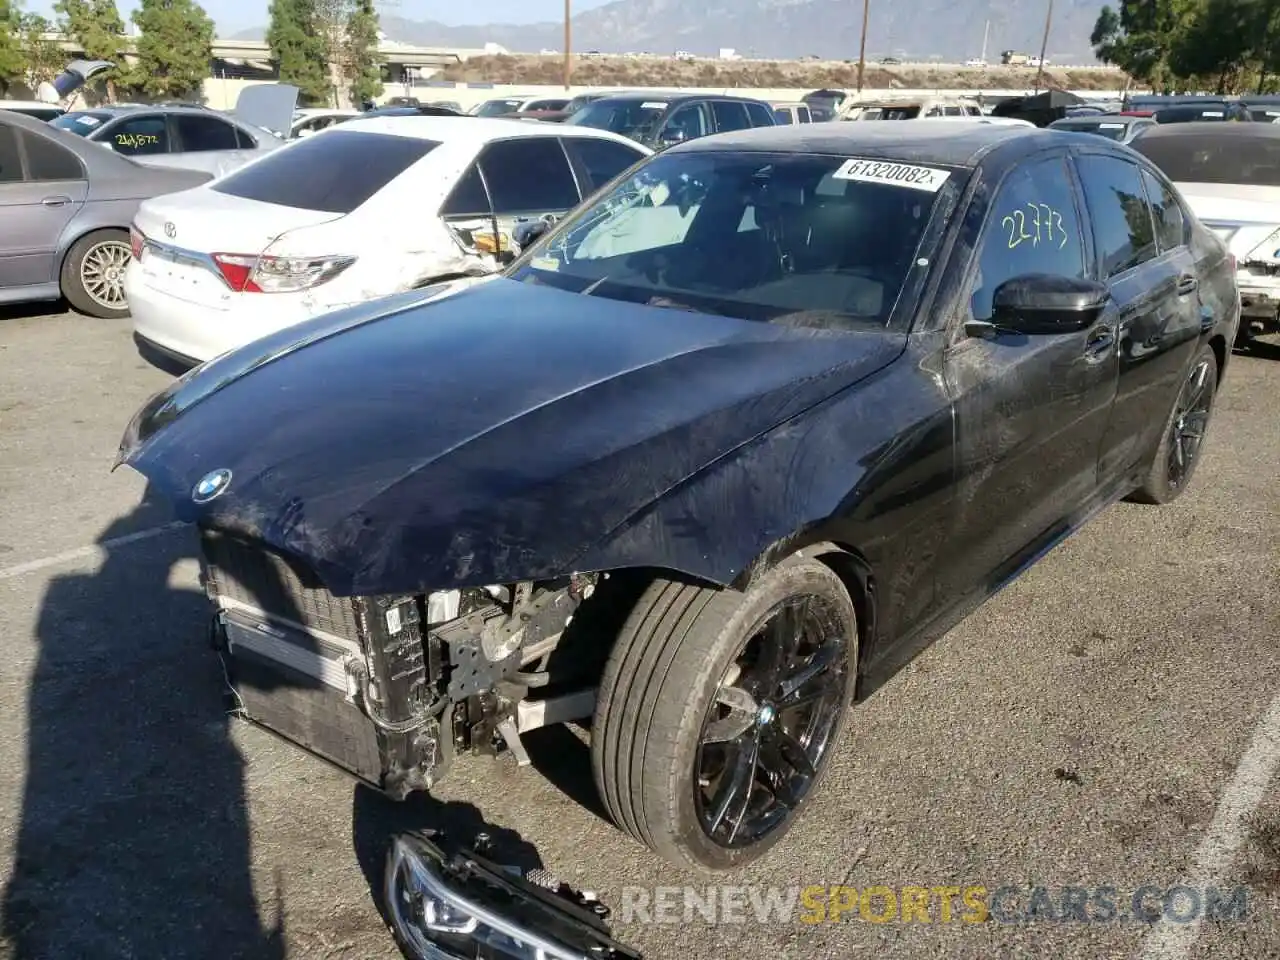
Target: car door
<point x="524" y="178"/>
<point x="42" y="186"/>
<point x="205" y="143"/>
<point x="1143" y="254"/>
<point x="1030" y="411"/>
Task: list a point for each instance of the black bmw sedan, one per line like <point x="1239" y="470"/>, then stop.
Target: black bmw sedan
<point x="712" y="459"/>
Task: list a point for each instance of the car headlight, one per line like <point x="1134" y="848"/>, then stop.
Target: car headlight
<point x="438" y="922"/>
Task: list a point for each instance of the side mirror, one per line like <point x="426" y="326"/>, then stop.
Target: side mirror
<point x="1037" y="304"/>
<point x="528" y="231"/>
<point x="672" y="136"/>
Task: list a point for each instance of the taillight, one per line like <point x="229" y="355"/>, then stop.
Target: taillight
<point x="253" y="273"/>
<point x="136" y="241"/>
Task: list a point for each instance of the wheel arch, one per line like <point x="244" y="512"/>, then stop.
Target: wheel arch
<point x="1218" y="343"/>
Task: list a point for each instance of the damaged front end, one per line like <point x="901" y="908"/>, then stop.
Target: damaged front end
<point x="393" y="688"/>
<point x="464" y="906"/>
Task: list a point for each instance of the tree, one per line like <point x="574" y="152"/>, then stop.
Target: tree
<point x="97" y="27"/>
<point x="363" y="65"/>
<point x="1139" y="35"/>
<point x="299" y="43"/>
<point x="12" y="61"/>
<point x="1230" y="43"/>
<point x="44" y="58"/>
<point x="174" y="49"/>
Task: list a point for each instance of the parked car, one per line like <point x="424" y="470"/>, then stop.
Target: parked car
<point x="569" y="109"/>
<point x="361" y="210"/>
<point x="1112" y="126"/>
<point x="66" y="207"/>
<point x="910" y="108"/>
<point x="785" y="112"/>
<point x="421" y="110"/>
<point x="33" y="108"/>
<point x="1229" y="175"/>
<point x="501" y="106"/>
<point x="659" y="120"/>
<point x="311" y="120"/>
<point x="188" y="136"/>
<point x="810" y="393"/>
<point x="1263" y="109"/>
<point x="1202" y="112"/>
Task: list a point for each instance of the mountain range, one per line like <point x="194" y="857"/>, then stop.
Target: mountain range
<point x="951" y="30"/>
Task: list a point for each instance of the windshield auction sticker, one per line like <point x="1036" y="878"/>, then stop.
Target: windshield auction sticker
<point x="929" y="179"/>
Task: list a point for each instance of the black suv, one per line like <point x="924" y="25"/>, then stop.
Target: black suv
<point x="660" y="120"/>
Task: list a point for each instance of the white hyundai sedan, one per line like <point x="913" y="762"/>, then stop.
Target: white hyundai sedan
<point x="361" y="210"/>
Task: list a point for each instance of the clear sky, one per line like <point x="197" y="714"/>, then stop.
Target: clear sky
<point x="234" y="15"/>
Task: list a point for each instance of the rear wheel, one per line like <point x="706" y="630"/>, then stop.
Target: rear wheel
<point x="92" y="277"/>
<point x="718" y="711"/>
<point x="1179" y="451"/>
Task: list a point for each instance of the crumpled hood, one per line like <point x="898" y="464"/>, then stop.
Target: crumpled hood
<point x="476" y="434"/>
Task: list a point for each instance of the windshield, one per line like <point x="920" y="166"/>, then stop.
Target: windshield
<point x="496" y="108"/>
<point x="1252" y="161"/>
<point x="1112" y="131"/>
<point x="630" y="118"/>
<point x="797" y="238"/>
<point x="82" y="122"/>
<point x="1267" y="114"/>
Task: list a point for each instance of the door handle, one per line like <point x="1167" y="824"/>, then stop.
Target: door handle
<point x="1100" y="342"/>
<point x="55" y="201"/>
<point x="1187" y="284"/>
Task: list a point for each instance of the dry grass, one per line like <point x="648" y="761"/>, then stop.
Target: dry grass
<point x="766" y="74"/>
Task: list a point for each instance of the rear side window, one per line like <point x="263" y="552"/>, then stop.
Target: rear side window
<point x="529" y="174"/>
<point x="602" y="159"/>
<point x="1122" y="224"/>
<point x="729" y="115"/>
<point x="803" y="115"/>
<point x="761" y="116"/>
<point x="782" y="116"/>
<point x="200" y="134"/>
<point x="1171" y="227"/>
<point x="139" y="136"/>
<point x="335" y="173"/>
<point x="47" y="160"/>
<point x="244" y="141"/>
<point x="10" y="162"/>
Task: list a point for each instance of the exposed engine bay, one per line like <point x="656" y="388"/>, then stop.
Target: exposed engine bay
<point x="393" y="688"/>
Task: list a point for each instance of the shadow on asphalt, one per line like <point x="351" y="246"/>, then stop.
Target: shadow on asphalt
<point x="41" y="308"/>
<point x="134" y="833"/>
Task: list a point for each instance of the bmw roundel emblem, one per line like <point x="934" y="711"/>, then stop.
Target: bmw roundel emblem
<point x="211" y="485"/>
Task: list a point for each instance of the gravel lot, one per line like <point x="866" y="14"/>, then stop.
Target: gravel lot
<point x="1082" y="729"/>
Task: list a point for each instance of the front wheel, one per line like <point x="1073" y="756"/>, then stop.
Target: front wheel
<point x="718" y="711"/>
<point x="1178" y="454"/>
<point x="92" y="277"/>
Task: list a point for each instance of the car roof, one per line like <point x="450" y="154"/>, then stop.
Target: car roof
<point x="121" y="109"/>
<point x="920" y="141"/>
<point x="674" y="96"/>
<point x="467" y="128"/>
<point x="1215" y="129"/>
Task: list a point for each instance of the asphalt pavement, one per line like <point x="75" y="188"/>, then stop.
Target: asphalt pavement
<point x="1110" y="720"/>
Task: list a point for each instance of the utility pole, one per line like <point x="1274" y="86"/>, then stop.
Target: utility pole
<point x="1044" y="45"/>
<point x="862" y="53"/>
<point x="568" y="56"/>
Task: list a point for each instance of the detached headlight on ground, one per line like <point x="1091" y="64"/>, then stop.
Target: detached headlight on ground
<point x="466" y="910"/>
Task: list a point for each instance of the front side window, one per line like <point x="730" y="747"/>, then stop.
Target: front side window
<point x="1032" y="227"/>
<point x="687" y="123"/>
<point x="138" y="136"/>
<point x="782" y="116"/>
<point x="787" y="238"/>
<point x="528" y="175"/>
<point x="1122" y="224"/>
<point x="201" y="134"/>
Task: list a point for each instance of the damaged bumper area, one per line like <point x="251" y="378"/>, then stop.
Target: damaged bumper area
<point x="463" y="907"/>
<point x="392" y="688"/>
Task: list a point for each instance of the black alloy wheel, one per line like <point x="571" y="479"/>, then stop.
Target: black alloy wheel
<point x="1182" y="440"/>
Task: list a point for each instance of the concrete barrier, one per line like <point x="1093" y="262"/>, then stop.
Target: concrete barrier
<point x="221" y="93"/>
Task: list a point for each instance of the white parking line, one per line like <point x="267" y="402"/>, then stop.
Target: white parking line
<point x="96" y="550"/>
<point x="1226" y="834"/>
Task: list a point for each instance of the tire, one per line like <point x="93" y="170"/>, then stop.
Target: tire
<point x="97" y="253"/>
<point x="1168" y="477"/>
<point x="663" y="691"/>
